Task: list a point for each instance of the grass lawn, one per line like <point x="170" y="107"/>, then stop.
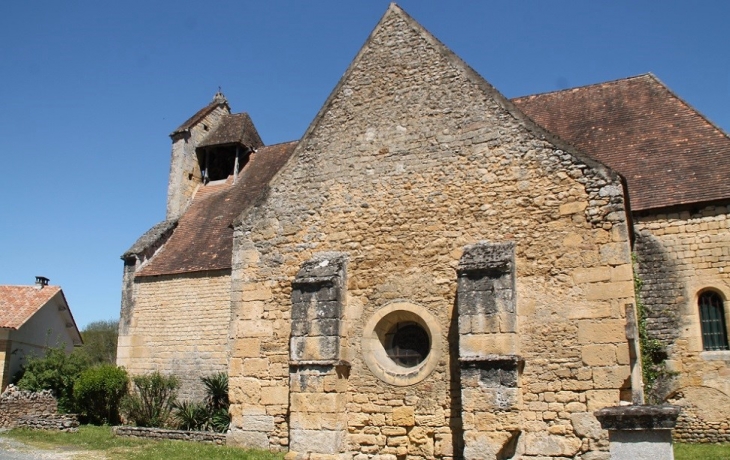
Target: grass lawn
<point x="701" y="451"/>
<point x="101" y="440"/>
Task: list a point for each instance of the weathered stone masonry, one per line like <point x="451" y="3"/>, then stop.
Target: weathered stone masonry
<point x="412" y="158"/>
<point x="488" y="347"/>
<point x="179" y="328"/>
<point x="682" y="254"/>
<point x="317" y="417"/>
<point x="428" y="273"/>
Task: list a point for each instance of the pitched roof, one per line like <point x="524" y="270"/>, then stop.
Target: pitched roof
<point x="19" y="303"/>
<point x="236" y="128"/>
<point x="203" y="239"/>
<point x="669" y="153"/>
<point x="219" y="100"/>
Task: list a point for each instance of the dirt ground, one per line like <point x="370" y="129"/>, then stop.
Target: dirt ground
<point x="14" y="450"/>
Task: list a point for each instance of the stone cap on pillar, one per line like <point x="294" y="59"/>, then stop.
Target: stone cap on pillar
<point x="647" y="417"/>
<point x="322" y="268"/>
<point x="486" y="255"/>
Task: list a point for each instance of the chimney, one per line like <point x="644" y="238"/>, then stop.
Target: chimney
<point x="40" y="281"/>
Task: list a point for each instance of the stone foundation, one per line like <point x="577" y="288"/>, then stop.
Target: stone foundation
<point x="693" y="428"/>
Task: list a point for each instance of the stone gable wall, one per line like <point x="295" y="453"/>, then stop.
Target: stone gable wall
<point x="680" y="255"/>
<point x="179" y="327"/>
<point x="411" y="161"/>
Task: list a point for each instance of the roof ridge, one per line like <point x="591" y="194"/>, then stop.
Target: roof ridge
<point x="29" y="285"/>
<point x="281" y="143"/>
<point x="688" y="105"/>
<point x="607" y="82"/>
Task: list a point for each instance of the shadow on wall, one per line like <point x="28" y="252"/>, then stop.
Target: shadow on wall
<point x="455" y="422"/>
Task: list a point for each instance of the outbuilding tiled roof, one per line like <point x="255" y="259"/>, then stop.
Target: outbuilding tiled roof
<point x="236" y="128"/>
<point x="19" y="303"/>
<point x="669" y="153"/>
<point x="203" y="239"/>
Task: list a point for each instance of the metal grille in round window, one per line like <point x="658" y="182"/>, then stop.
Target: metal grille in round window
<point x="402" y="343"/>
<point x="408" y="344"/>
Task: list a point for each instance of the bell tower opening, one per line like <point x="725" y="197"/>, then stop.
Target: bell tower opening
<point x="219" y="162"/>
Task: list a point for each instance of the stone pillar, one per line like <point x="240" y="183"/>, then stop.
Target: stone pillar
<point x="317" y="376"/>
<point x="488" y="346"/>
<point x="632" y="334"/>
<point x="639" y="432"/>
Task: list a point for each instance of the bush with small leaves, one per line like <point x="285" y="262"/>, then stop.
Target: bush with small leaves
<point x="98" y="392"/>
<point x="57" y="371"/>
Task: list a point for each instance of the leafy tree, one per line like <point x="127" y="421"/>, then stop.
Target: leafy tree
<point x="100" y="341"/>
<point x="151" y="403"/>
<point x="56" y="371"/>
<point x="98" y="392"/>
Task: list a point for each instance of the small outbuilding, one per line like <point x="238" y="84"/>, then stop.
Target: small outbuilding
<point x="33" y="319"/>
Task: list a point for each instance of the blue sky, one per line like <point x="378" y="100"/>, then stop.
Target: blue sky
<point x="90" y="90"/>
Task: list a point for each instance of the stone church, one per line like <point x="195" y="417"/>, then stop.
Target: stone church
<point x="436" y="271"/>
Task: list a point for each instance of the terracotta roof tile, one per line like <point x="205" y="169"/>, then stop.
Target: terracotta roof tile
<point x="669" y="153"/>
<point x="19" y="303"/>
<point x="235" y="128"/>
<point x="203" y="239"/>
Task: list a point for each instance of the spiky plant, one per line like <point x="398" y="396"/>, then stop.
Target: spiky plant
<point x="216" y="390"/>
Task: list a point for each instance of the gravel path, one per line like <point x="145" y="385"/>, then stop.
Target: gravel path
<point x="15" y="450"/>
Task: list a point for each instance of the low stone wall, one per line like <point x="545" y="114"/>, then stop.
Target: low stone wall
<point x="694" y="429"/>
<point x="16" y="404"/>
<point x="60" y="422"/>
<point x="159" y="433"/>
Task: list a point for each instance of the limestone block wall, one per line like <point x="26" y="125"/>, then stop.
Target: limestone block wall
<point x="185" y="174"/>
<point x="180" y="327"/>
<point x="681" y="254"/>
<point x="413" y="158"/>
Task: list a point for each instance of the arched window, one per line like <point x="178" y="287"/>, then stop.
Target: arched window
<point x="712" y="318"/>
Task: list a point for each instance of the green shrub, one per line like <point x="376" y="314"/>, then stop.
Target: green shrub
<point x="191" y="415"/>
<point x="216" y="399"/>
<point x="216" y="390"/>
<point x="212" y="413"/>
<point x="56" y="371"/>
<point x="151" y="402"/>
<point x="220" y="420"/>
<point x="98" y="392"/>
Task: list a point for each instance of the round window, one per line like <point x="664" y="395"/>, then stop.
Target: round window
<point x="401" y="343"/>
